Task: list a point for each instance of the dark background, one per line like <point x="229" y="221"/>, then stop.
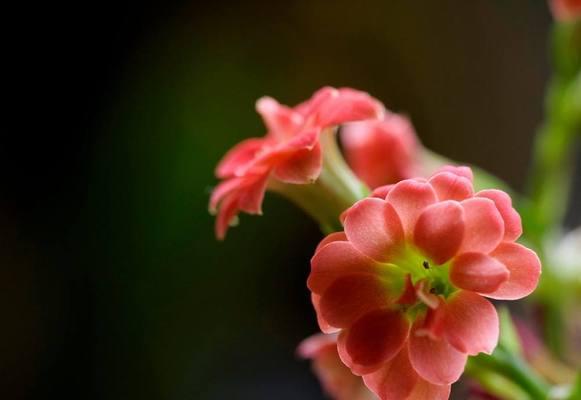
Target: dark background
<point x="111" y="283"/>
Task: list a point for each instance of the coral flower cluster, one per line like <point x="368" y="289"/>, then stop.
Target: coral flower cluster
<point x="405" y="284"/>
<point x="290" y="152"/>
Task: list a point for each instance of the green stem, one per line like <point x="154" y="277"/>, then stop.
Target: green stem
<point x="552" y="162"/>
<point x="552" y="167"/>
<point x="513" y="370"/>
<point x="336" y="189"/>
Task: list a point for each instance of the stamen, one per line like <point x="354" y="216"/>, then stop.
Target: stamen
<point x="426" y="264"/>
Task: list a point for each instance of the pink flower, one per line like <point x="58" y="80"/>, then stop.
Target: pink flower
<point x="341" y="384"/>
<point x="407" y="279"/>
<point x="290" y="152"/>
<point x="566" y="10"/>
<point x="381" y="152"/>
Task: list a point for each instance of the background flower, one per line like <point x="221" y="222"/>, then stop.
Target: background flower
<point x="382" y="152"/>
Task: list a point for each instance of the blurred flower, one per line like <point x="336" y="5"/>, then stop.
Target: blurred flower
<point x="565" y="10"/>
<point x="399" y="382"/>
<point x="335" y="377"/>
<point x="381" y="152"/>
<point x="290" y="152"/>
<point x="405" y="280"/>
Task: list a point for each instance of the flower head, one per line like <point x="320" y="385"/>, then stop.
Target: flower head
<point x="290" y="152"/>
<point x="407" y="279"/>
<point x="381" y="152"/>
<point x="566" y="10"/>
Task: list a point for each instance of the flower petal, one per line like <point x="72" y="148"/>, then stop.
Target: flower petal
<point x="409" y="198"/>
<point x="435" y="360"/>
<point x="330" y="238"/>
<point x="351" y="296"/>
<point x="478" y="272"/>
<point x="281" y="121"/>
<point x="374" y="228"/>
<point x="524" y="267"/>
<point x="323" y="324"/>
<point x="484" y="226"/>
<point x="395" y="380"/>
<point x="335" y="260"/>
<point x="346" y="106"/>
<point x="382" y="191"/>
<point x="439" y="230"/>
<point x="449" y="186"/>
<point x="511" y="218"/>
<point x="226" y="216"/>
<point x="425" y="390"/>
<point x="470" y="323"/>
<point x="239" y="157"/>
<point x="461" y="170"/>
<point x="373" y="339"/>
<point x="250" y="197"/>
<point x="302" y="167"/>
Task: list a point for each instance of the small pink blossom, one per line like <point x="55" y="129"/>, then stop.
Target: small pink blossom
<point x="566" y="10"/>
<point x="405" y="283"/>
<point x="290" y="152"/>
<point x="381" y="152"/>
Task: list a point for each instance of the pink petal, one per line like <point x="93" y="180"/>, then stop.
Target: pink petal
<point x="466" y="172"/>
<point x="511" y="218"/>
<point x="471" y="323"/>
<point x="409" y="198"/>
<point x="374" y="228"/>
<point x="335" y="260"/>
<point x="221" y="191"/>
<point x="435" y="360"/>
<point x="382" y="191"/>
<point x="226" y="214"/>
<point x="251" y="196"/>
<point x="381" y="151"/>
<point x="309" y="107"/>
<point x="425" y="390"/>
<point x="302" y="167"/>
<point x="351" y="296"/>
<point x="330" y="238"/>
<point x="281" y="121"/>
<point x="323" y="324"/>
<point x="484" y="226"/>
<point x="478" y="272"/>
<point x="395" y="380"/>
<point x="347" y="106"/>
<point x="239" y="157"/>
<point x="524" y="267"/>
<point x="375" y="338"/>
<point x="335" y="377"/>
<point x="439" y="230"/>
<point x="449" y="186"/>
<point x="311" y="346"/>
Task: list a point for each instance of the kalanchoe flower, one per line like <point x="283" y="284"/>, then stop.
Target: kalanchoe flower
<point x="290" y="152"/>
<point x="566" y="10"/>
<point x="407" y="279"/>
<point x="381" y="152"/>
